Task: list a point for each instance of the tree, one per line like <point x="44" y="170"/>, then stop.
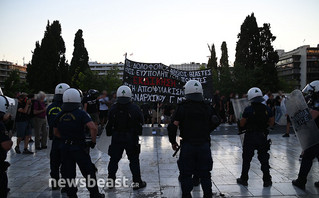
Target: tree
<point x="212" y="61"/>
<point x="255" y="63"/>
<point x="226" y="81"/>
<point x="268" y="76"/>
<point x="224" y="58"/>
<point x="13" y="85"/>
<point x="48" y="66"/>
<point x="113" y="80"/>
<point x="248" y="49"/>
<point x="79" y="62"/>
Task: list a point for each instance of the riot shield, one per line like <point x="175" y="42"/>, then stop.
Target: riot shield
<point x="103" y="142"/>
<point x="239" y="107"/>
<point x="301" y="119"/>
<point x="13" y="107"/>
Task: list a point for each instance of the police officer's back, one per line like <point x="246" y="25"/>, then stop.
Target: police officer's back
<point x="69" y="126"/>
<point x="256" y="118"/>
<point x="195" y="120"/>
<point x="125" y="125"/>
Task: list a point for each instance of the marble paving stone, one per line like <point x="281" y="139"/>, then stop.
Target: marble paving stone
<point x="29" y="174"/>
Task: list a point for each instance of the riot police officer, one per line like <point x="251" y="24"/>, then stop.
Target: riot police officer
<point x="125" y="125"/>
<point x="5" y="146"/>
<point x="69" y="127"/>
<point x="255" y="119"/>
<point x="52" y="111"/>
<point x="195" y="120"/>
<point x="313" y="151"/>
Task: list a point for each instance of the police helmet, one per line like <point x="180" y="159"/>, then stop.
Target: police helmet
<point x="193" y="90"/>
<point x="311" y="87"/>
<point x="71" y="99"/>
<point x="4" y="104"/>
<point x="255" y="95"/>
<point x="59" y="90"/>
<point x="123" y="94"/>
<point x="93" y="93"/>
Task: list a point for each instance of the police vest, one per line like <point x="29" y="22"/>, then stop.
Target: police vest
<point x="258" y="119"/>
<point x="125" y="120"/>
<point x="196" y="121"/>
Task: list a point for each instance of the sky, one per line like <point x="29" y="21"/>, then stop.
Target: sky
<point x="166" y="31"/>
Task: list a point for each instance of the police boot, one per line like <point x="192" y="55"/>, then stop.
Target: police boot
<point x="111" y="182"/>
<point x="138" y="185"/>
<point x="300" y="184"/>
<point x="242" y="180"/>
<point x="267" y="180"/>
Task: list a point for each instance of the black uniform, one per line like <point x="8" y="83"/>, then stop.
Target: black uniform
<point x="309" y="155"/>
<point x="195" y="124"/>
<point x="55" y="153"/>
<point x="125" y="125"/>
<point x="74" y="149"/>
<point x="257" y="116"/>
<point x="3" y="164"/>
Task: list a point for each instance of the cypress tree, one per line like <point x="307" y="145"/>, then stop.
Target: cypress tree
<point x="224" y="58"/>
<point x="248" y="49"/>
<point x="48" y="60"/>
<point x="79" y="62"/>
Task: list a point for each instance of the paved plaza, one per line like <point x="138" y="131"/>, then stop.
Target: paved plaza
<point x="29" y="174"/>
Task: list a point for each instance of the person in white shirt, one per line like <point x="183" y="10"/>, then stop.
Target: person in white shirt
<point x="104" y="107"/>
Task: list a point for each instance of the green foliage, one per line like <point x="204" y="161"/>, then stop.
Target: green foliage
<point x="13" y="85"/>
<point x="48" y="66"/>
<point x="113" y="80"/>
<point x="248" y="49"/>
<point x="256" y="59"/>
<point x="91" y="80"/>
<point x="224" y="58"/>
<point x="212" y="61"/>
<point x="79" y="62"/>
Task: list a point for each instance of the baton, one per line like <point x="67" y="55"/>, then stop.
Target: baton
<point x="175" y="153"/>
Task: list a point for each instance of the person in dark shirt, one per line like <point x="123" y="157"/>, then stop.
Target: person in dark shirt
<point x="230" y="109"/>
<point x="23" y="125"/>
<point x="91" y="105"/>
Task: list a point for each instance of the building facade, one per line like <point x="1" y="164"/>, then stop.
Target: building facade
<point x="6" y="67"/>
<point x="103" y="68"/>
<point x="189" y="66"/>
<point x="299" y="66"/>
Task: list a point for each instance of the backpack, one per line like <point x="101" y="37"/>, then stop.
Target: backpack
<point x="122" y="120"/>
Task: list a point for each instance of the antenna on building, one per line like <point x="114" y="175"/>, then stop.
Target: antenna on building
<point x="23" y="61"/>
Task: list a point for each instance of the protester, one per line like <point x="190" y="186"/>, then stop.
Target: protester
<point x="40" y="125"/>
<point x="278" y="112"/>
<point x="103" y="107"/>
<point x="230" y="109"/>
<point x="23" y="125"/>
